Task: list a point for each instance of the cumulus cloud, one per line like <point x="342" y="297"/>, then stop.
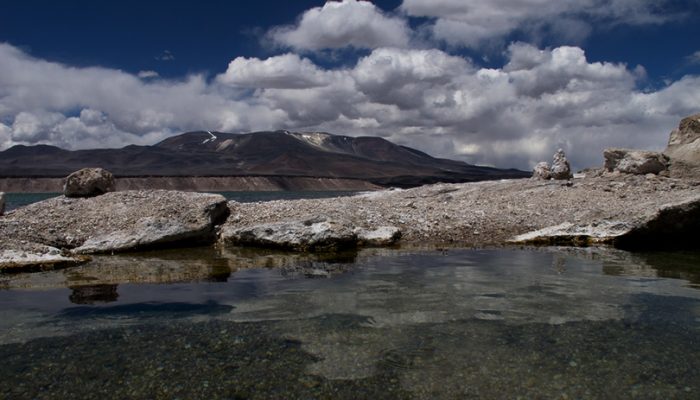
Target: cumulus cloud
<point x="288" y="71"/>
<point x="359" y="24"/>
<point x="471" y="23"/>
<point x="511" y="116"/>
<point x="47" y="102"/>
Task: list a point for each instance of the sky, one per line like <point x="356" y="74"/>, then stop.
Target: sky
<point x="501" y="82"/>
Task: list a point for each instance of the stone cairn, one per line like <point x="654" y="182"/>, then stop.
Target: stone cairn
<point x="560" y="168"/>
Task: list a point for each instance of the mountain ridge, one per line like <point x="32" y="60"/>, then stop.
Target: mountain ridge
<point x="266" y="153"/>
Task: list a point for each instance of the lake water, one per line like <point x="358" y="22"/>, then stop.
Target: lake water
<point x="15" y="200"/>
<point x="378" y="324"/>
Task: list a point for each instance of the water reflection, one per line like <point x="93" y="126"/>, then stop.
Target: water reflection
<point x="93" y="294"/>
<point x="539" y="323"/>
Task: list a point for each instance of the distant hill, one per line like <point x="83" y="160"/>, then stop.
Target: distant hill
<point x="279" y="153"/>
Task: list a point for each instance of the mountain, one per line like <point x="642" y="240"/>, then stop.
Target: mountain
<point x="279" y="153"/>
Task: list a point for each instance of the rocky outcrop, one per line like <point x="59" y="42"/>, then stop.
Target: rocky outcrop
<point x="637" y="162"/>
<point x="313" y="234"/>
<point x="560" y="166"/>
<point x="483" y="213"/>
<point x="118" y="221"/>
<point x="684" y="149"/>
<point x="671" y="225"/>
<point x="542" y="171"/>
<point x="2" y="203"/>
<point x="88" y="182"/>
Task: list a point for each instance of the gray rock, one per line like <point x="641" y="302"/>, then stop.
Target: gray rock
<point x="684" y="142"/>
<point x="560" y="166"/>
<point x="20" y="255"/>
<point x="382" y="236"/>
<point x="119" y="221"/>
<point x="88" y="182"/>
<point x="315" y="234"/>
<point x="2" y="203"/>
<point x="637" y="162"/>
<point x="672" y="224"/>
<point x="684" y="148"/>
<point x="542" y="171"/>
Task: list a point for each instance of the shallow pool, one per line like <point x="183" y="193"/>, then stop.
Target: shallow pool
<point x="457" y="323"/>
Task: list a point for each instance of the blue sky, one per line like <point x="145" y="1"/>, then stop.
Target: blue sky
<point x="502" y="83"/>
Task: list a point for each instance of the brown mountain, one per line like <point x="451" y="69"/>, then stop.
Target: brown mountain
<point x="279" y="153"/>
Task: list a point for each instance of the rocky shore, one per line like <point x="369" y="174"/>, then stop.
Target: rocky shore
<point x="635" y="201"/>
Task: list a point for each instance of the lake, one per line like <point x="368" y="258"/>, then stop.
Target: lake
<point x="14" y="200"/>
<point x="377" y="324"/>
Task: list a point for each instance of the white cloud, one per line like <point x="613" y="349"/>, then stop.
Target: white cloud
<point x="359" y="24"/>
<point x="512" y="116"/>
<point x="288" y="71"/>
<point x="148" y="74"/>
<point x="38" y="97"/>
<point x="472" y="23"/>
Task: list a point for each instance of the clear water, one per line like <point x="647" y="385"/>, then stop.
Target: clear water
<point x="227" y="323"/>
<point x="15" y="200"/>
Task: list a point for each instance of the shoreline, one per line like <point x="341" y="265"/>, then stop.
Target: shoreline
<point x="199" y="184"/>
<point x="600" y="208"/>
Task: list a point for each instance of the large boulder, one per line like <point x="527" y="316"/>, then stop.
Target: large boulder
<point x="560" y="166"/>
<point x="2" y="203"/>
<point x="119" y="221"/>
<point x="684" y="148"/>
<point x="637" y="162"/>
<point x="684" y="142"/>
<point x="88" y="182"/>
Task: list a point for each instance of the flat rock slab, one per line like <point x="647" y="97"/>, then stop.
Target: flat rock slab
<point x="19" y="256"/>
<point x="118" y="221"/>
<point x="313" y="234"/>
<point x="491" y="213"/>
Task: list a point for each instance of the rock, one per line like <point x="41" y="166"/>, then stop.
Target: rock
<point x="315" y="234"/>
<point x="382" y="236"/>
<point x="2" y="203"/>
<point x="637" y="162"/>
<point x="542" y="171"/>
<point x="560" y="166"/>
<point x="17" y="255"/>
<point x="119" y="221"/>
<point x="684" y="142"/>
<point x="684" y="148"/>
<point x="672" y="225"/>
<point x="88" y="182"/>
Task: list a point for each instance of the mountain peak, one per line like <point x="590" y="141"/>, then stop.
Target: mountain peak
<point x="278" y="153"/>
